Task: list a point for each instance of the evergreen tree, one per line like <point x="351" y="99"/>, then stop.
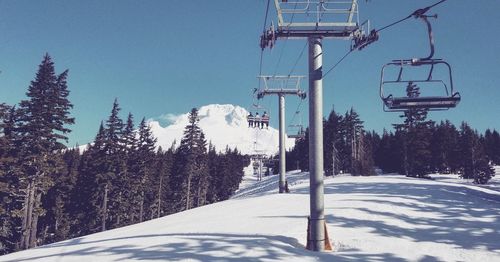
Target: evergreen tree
<point x="301" y="151"/>
<point x="56" y="223"/>
<point x="492" y="146"/>
<point x="443" y="147"/>
<point x="353" y="148"/>
<point x="41" y="130"/>
<point x="143" y="172"/>
<point x="475" y="163"/>
<point x="415" y="132"/>
<point x="9" y="181"/>
<point x="190" y="163"/>
<point x="87" y="195"/>
<point x="332" y="137"/>
<point x="125" y="183"/>
<point x="113" y="178"/>
<point x="163" y="171"/>
<point x="213" y="174"/>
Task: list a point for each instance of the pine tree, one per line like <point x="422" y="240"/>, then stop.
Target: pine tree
<point x="41" y="128"/>
<point x="56" y="223"/>
<point x="352" y="147"/>
<point x="86" y="196"/>
<point x="475" y="163"/>
<point x="144" y="170"/>
<point x="332" y="140"/>
<point x="8" y="181"/>
<point x="213" y="174"/>
<point x="115" y="171"/>
<point x="415" y="132"/>
<point x="126" y="183"/>
<point x="443" y="147"/>
<point x="189" y="161"/>
<point x="162" y="175"/>
<point x="301" y="151"/>
<point x="492" y="146"/>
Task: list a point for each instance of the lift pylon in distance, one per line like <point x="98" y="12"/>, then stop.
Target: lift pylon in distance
<point x="433" y="93"/>
<point x="281" y="86"/>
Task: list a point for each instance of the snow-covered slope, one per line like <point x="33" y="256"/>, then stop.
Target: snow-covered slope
<point x="223" y="125"/>
<point x="381" y="218"/>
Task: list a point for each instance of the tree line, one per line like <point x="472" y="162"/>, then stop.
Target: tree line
<point x="50" y="192"/>
<point x="417" y="147"/>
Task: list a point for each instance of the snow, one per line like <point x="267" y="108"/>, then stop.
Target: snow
<point x="223" y="125"/>
<point x="493" y="184"/>
<point x="379" y="218"/>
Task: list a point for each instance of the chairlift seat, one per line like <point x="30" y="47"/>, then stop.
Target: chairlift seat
<point x="431" y="102"/>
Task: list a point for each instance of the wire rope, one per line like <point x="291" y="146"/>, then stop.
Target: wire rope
<point x="417" y="12"/>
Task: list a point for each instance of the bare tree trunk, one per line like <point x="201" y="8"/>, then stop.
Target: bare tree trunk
<point x="188" y="197"/>
<point x="141" y="208"/>
<point x="118" y="217"/>
<point x="105" y="208"/>
<point x="333" y="158"/>
<point x="159" y="196"/>
<point x="198" y="193"/>
<point x="25" y="227"/>
<point x="34" y="224"/>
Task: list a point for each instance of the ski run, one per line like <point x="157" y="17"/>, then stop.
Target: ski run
<point x="377" y="218"/>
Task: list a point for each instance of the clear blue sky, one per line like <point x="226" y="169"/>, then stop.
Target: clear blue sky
<point x="162" y="57"/>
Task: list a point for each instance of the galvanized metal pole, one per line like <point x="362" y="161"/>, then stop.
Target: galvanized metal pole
<point x="316" y="189"/>
<point x="281" y="98"/>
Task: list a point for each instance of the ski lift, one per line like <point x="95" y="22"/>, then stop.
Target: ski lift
<point x="258" y="120"/>
<point x="444" y="100"/>
<point x="301" y="134"/>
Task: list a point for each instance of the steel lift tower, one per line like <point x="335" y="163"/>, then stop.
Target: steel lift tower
<point x="281" y="86"/>
<point x="315" y="20"/>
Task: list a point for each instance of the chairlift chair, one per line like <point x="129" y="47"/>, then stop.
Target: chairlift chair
<point x="260" y="120"/>
<point x="448" y="99"/>
<point x="301" y="134"/>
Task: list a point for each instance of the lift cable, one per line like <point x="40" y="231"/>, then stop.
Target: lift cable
<point x="417" y="12"/>
<point x="336" y="64"/>
<point x="262" y="50"/>
<point x="296" y="112"/>
<point x="298" y="59"/>
<point x="284" y="44"/>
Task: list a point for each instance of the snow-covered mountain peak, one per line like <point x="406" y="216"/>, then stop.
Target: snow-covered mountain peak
<point x="223" y="125"/>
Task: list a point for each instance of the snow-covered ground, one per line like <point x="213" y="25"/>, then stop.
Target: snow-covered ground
<point x="380" y="218"/>
<point x="493" y="184"/>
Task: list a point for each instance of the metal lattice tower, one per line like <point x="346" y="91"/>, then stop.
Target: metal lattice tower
<point x="314" y="20"/>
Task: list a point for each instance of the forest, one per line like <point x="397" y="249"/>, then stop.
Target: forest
<point x="51" y="193"/>
<point x="416" y="148"/>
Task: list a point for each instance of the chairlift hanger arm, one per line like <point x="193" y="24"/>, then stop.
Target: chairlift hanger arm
<point x="361" y="40"/>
